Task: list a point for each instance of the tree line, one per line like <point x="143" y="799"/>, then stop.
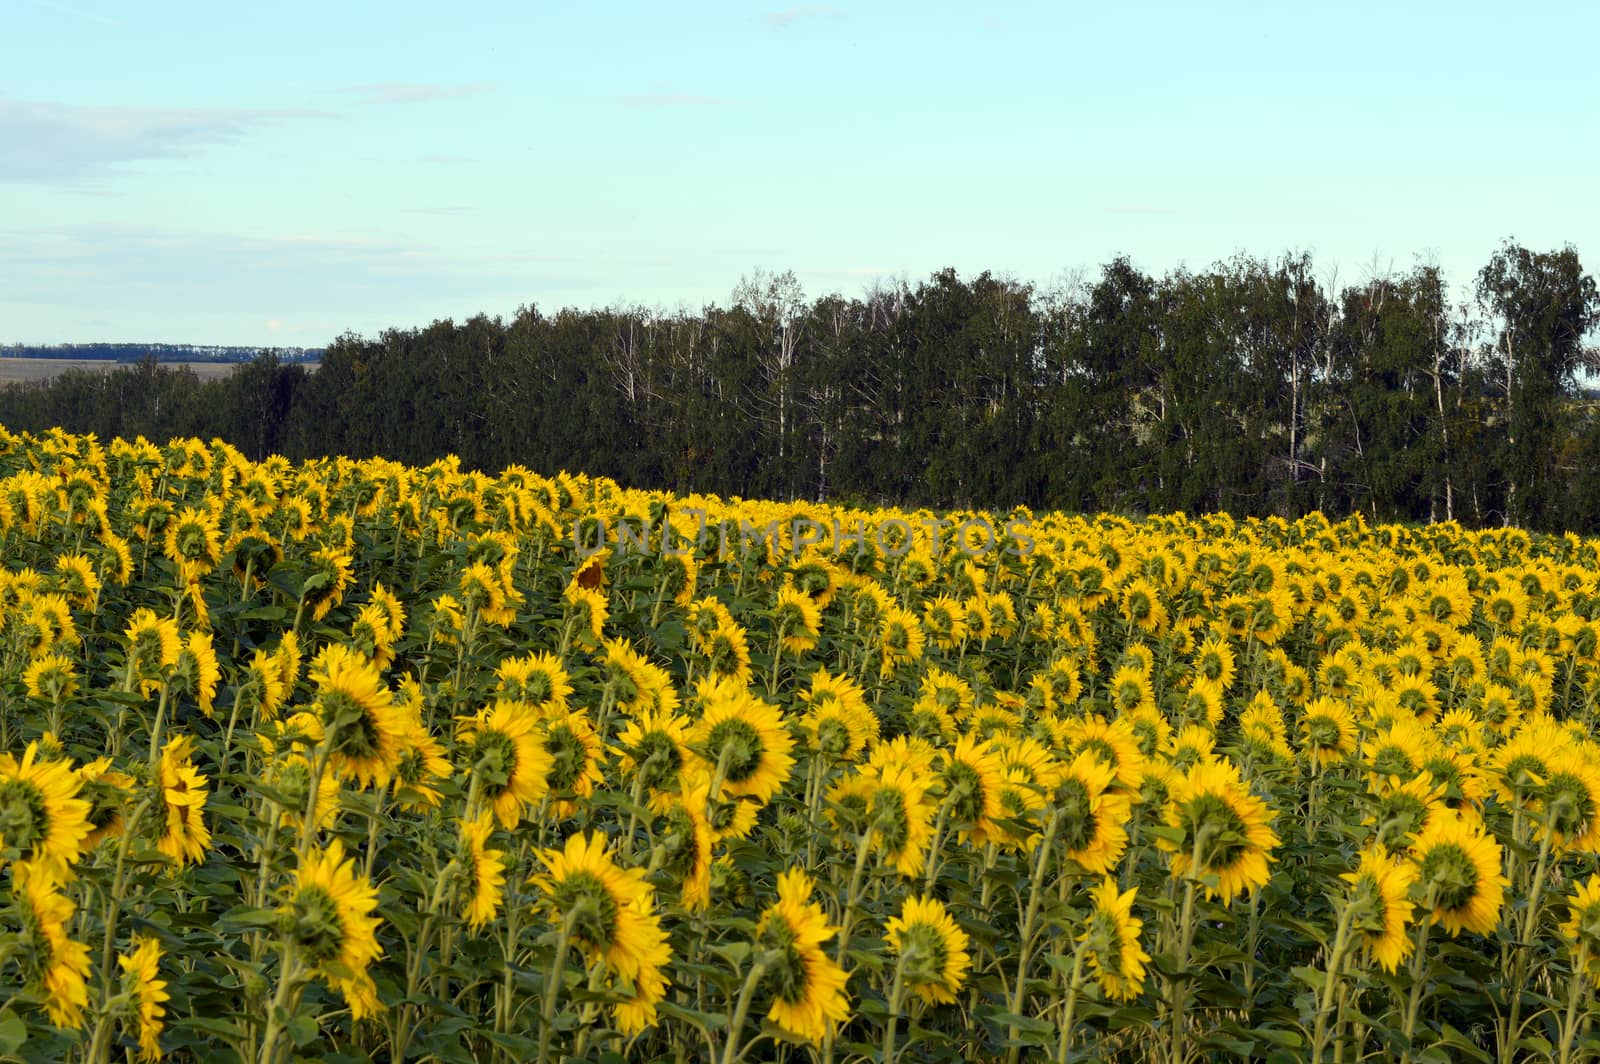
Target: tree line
<point x="1253" y="386"/>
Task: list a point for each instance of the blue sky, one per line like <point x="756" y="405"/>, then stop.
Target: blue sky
<point x="279" y="174"/>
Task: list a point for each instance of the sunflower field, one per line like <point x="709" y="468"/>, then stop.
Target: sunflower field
<point x="355" y="761"/>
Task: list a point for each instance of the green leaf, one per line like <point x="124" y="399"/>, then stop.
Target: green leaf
<point x="13" y="1032"/>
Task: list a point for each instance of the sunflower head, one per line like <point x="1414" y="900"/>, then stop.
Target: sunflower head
<point x="930" y="948"/>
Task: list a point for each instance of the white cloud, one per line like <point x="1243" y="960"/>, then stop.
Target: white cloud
<point x="49" y="142"/>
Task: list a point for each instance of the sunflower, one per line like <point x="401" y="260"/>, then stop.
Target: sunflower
<point x="1396" y="750"/>
<point x="328" y="917"/>
<point x="606" y="910"/>
<point x="192" y="543"/>
<point x="626" y="677"/>
<point x="41" y="816"/>
<point x="1091" y="814"/>
<point x="586" y="613"/>
<point x="900" y="638"/>
<point x="930" y="948"/>
<point x="743" y="740"/>
<point x="900" y="817"/>
<point x="1404" y="808"/>
<point x="196" y="671"/>
<point x="973" y="776"/>
<point x="1380" y="905"/>
<point x="1111" y="938"/>
<point x="1518" y="768"/>
<point x="329" y="579"/>
<point x="1582" y="929"/>
<point x="1223" y="825"/>
<point x="575" y="751"/>
<point x="540" y="680"/>
<point x="422" y="765"/>
<point x="258" y="690"/>
<point x="1569" y="802"/>
<point x="51" y="678"/>
<point x="146" y="991"/>
<point x="945" y="621"/>
<point x="727" y="653"/>
<point x="796" y="619"/>
<point x="686" y="844"/>
<point x="363" y="729"/>
<point x="184" y="836"/>
<point x="153" y="647"/>
<point x="837" y="723"/>
<point x="1130" y="688"/>
<point x="1142" y="606"/>
<point x="1262" y="729"/>
<point x="1201" y="704"/>
<point x="506" y="752"/>
<point x="106" y="791"/>
<point x="484" y="871"/>
<point x="1458" y="867"/>
<point x="807" y="987"/>
<point x="1114" y="742"/>
<point x="1327" y="732"/>
<point x="61" y="965"/>
<point x="75" y="578"/>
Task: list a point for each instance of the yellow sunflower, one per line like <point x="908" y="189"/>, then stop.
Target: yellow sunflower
<point x="362" y="728"/>
<point x="540" y="680"/>
<point x="1569" y="802"/>
<point x="146" y="991"/>
<point x="41" y="816"/>
<point x="60" y="965"/>
<point x="606" y="910"/>
<point x="1327" y="732"/>
<point x="574" y="754"/>
<point x="807" y="987"/>
<point x="1380" y="901"/>
<point x="930" y="948"/>
<point x="484" y="872"/>
<point x="973" y="777"/>
<point x="1091" y="815"/>
<point x="744" y="741"/>
<point x="1111" y="938"/>
<point x="328" y="916"/>
<point x="505" y="751"/>
<point x="1582" y="929"/>
<point x="1225" y="834"/>
<point x="1458" y="870"/>
<point x="796" y="619"/>
<point x="900" y="639"/>
<point x="837" y="723"/>
<point x="184" y="836"/>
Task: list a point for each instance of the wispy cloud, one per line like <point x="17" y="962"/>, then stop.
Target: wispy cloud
<point x="672" y="99"/>
<point x="779" y="20"/>
<point x="49" y="142"/>
<point x="393" y="92"/>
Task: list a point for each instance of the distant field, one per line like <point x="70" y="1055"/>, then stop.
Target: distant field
<point x="17" y="370"/>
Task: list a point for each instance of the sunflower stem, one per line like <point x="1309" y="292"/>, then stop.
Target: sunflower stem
<point x="280" y="1002"/>
<point x="1330" y="983"/>
<point x="1530" y="923"/>
<point x="1019" y="993"/>
<point x="113" y="907"/>
<point x="730" y="1051"/>
<point x="1418" y="967"/>
<point x="896" y="989"/>
<point x="1576" y="985"/>
<point x="1074" y="985"/>
<point x="552" y="986"/>
<point x="853" y="894"/>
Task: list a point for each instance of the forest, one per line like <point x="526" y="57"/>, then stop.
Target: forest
<point x="1254" y="386"/>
